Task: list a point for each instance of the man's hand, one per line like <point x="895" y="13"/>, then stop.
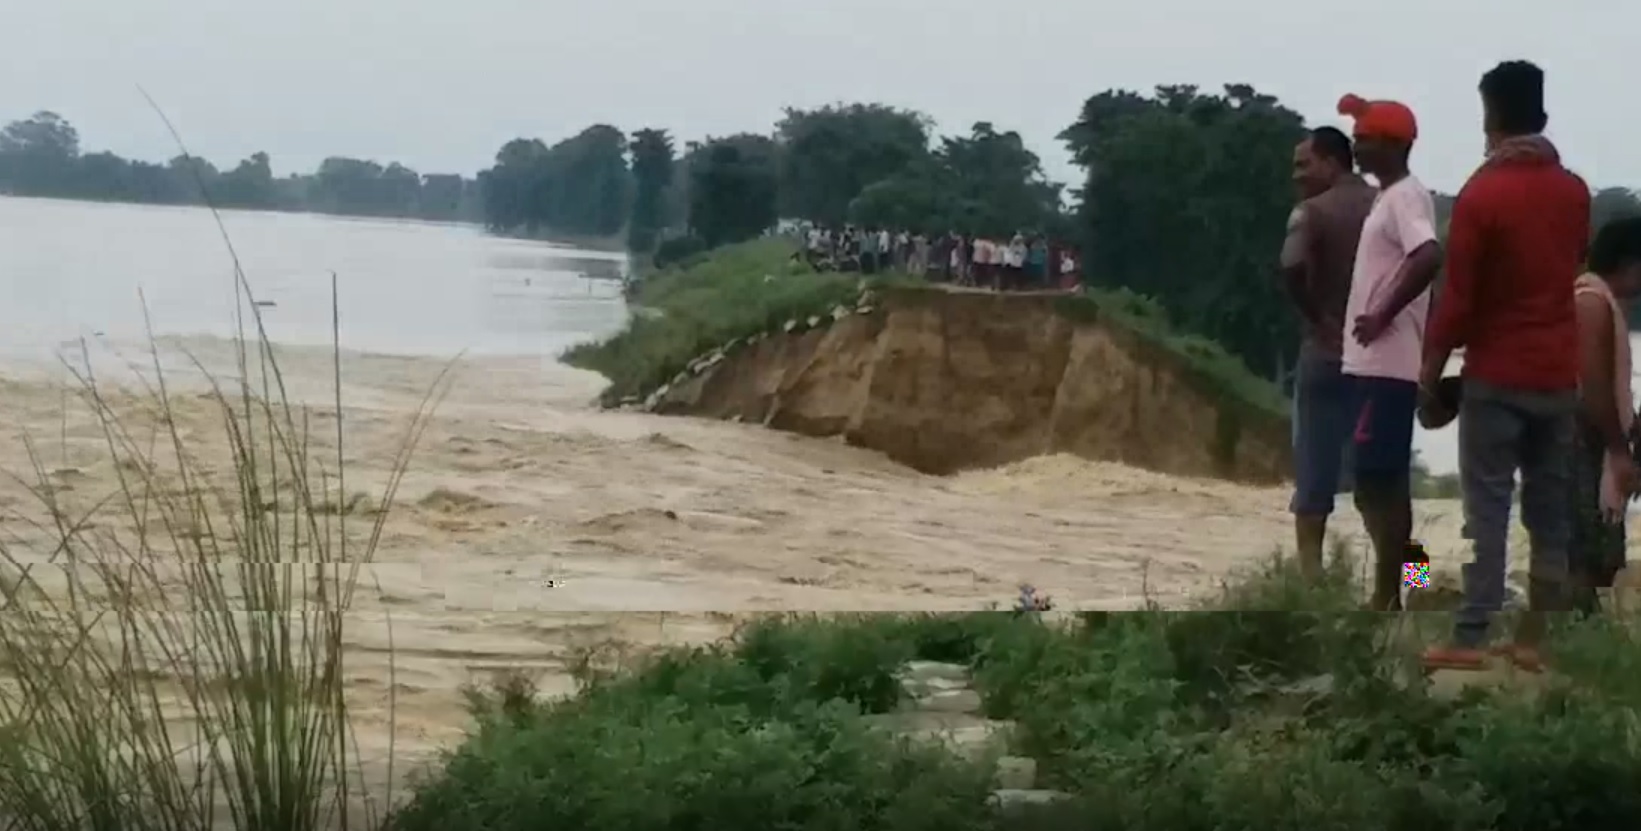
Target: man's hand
<point x="1624" y="471"/>
<point x="1430" y="373"/>
<point x="1370" y="327"/>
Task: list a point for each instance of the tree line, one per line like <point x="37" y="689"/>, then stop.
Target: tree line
<point x="1183" y="195"/>
<point x="41" y="156"/>
<point x="863" y="163"/>
<point x="1183" y="198"/>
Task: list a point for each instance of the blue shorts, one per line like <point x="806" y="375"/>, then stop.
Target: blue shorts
<point x="1384" y="410"/>
<point x="1322" y="423"/>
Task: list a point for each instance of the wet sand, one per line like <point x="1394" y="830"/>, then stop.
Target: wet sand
<point x="531" y="524"/>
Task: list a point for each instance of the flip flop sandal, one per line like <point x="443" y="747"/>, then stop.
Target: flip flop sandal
<point x="1454" y="658"/>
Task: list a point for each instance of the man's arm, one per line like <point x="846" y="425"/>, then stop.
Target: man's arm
<point x="1298" y="257"/>
<point x="1581" y="215"/>
<point x="1450" y="324"/>
<point x="1598" y="393"/>
<point x="1414" y="220"/>
<point x="1466" y="246"/>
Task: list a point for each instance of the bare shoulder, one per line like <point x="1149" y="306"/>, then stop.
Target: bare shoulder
<point x="1593" y="309"/>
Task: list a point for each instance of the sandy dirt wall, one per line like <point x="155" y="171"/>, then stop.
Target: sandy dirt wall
<point x="950" y="381"/>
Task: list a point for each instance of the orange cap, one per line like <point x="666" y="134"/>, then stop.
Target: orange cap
<point x="1380" y="119"/>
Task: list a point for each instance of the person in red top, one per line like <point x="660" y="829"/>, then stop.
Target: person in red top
<point x="1516" y="246"/>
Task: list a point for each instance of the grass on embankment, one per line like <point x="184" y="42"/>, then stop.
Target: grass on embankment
<point x="1173" y="721"/>
<point x="734" y="292"/>
<point x="742" y="290"/>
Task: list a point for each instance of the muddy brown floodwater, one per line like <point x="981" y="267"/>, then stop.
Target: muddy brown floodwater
<point x="531" y="523"/>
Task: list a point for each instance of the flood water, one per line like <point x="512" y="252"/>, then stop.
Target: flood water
<point x="525" y="508"/>
<point x="74" y="269"/>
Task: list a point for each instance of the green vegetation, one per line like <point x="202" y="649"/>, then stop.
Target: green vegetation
<point x="1224" y="376"/>
<point x="1277" y="708"/>
<point x="729" y="294"/>
<point x="706" y="302"/>
<point x="1183" y="194"/>
<point x="41" y="156"/>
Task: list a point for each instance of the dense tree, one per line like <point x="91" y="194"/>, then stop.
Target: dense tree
<point x="41" y="156"/>
<point x="828" y="156"/>
<point x="986" y="183"/>
<point x="652" y="168"/>
<point x="249" y="185"/>
<point x="580" y="185"/>
<point x="1185" y="200"/>
<point x="39" y="152"/>
<point x="733" y="188"/>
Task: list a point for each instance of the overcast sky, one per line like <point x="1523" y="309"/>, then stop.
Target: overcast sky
<point x="439" y="85"/>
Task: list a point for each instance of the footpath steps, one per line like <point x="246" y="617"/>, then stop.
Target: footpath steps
<point x="942" y="708"/>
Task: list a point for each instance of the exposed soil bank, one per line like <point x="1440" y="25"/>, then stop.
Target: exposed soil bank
<point x="944" y="381"/>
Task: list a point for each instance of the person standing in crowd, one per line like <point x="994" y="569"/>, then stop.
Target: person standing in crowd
<point x="1602" y="483"/>
<point x="980" y="269"/>
<point x="1070" y="279"/>
<point x="868" y="251"/>
<point x="1015" y="261"/>
<point x="999" y="264"/>
<point x="1516" y="246"/>
<point x="1037" y="263"/>
<point x="1397" y="258"/>
<point x="1318" y="258"/>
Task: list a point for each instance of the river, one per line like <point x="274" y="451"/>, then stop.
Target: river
<point x="531" y="521"/>
<point x="74" y="269"/>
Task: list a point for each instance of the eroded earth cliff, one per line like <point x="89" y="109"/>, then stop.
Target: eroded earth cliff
<point x="950" y="380"/>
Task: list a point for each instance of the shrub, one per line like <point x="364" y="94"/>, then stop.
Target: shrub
<point x="763" y="733"/>
<point x="1184" y="720"/>
<point x="678" y="250"/>
<point x="190" y="669"/>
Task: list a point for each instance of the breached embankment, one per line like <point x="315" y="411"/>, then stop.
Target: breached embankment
<point x="944" y="381"/>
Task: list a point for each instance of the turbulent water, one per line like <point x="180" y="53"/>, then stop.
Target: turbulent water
<point x="526" y="510"/>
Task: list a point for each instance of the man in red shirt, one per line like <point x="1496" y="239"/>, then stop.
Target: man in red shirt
<point x="1515" y="248"/>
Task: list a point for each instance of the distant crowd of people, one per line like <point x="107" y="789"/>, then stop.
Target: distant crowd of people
<point x="1025" y="261"/>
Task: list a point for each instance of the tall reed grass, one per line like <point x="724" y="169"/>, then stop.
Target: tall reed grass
<point x="172" y="654"/>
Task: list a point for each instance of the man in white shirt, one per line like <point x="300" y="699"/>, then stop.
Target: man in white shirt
<point x="981" y="273"/>
<point x="1015" y="263"/>
<point x="999" y="263"/>
<point x="1397" y="258"/>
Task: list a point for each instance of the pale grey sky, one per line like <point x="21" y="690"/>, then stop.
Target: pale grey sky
<point x="441" y="85"/>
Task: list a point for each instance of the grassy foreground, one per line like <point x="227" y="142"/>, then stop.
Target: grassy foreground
<point x="1213" y="719"/>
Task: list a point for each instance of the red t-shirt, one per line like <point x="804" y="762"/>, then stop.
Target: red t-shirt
<point x="1516" y="245"/>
